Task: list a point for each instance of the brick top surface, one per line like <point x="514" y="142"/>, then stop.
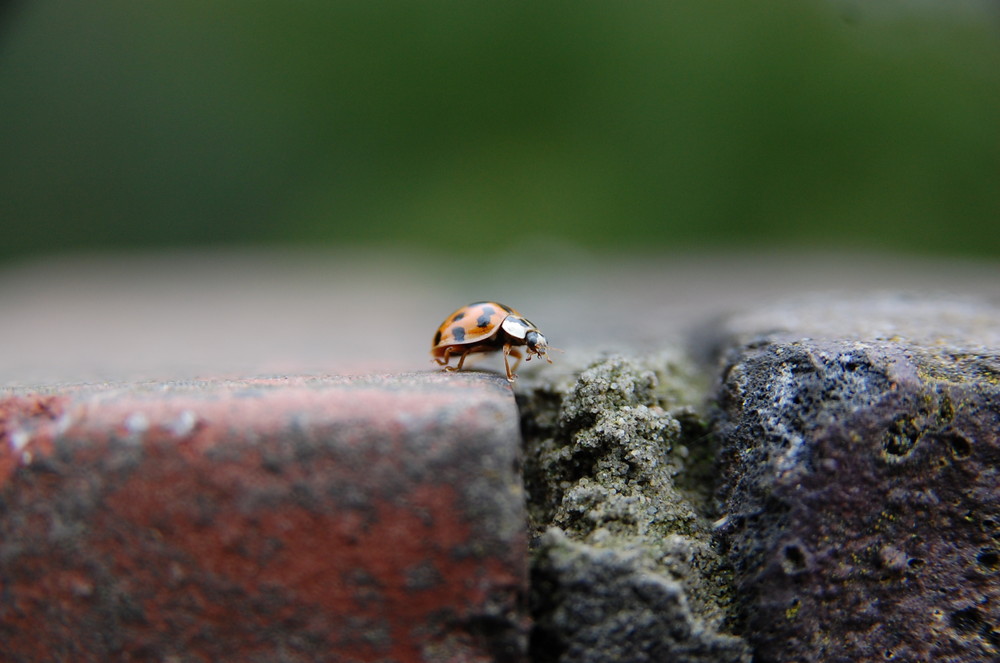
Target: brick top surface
<point x="238" y="313"/>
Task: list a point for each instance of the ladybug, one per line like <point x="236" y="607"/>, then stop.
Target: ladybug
<point x="487" y="327"/>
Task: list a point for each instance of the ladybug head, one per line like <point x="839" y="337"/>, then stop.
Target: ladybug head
<point x="536" y="343"/>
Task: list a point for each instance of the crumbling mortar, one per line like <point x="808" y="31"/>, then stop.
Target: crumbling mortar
<point x="619" y="473"/>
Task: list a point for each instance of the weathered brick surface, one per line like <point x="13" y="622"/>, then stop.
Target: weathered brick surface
<point x="860" y="442"/>
<point x="370" y="519"/>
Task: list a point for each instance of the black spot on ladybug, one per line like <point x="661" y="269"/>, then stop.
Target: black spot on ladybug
<point x="458" y="316"/>
<point x="437" y="337"/>
<point x="484" y="319"/>
<point x="458" y="333"/>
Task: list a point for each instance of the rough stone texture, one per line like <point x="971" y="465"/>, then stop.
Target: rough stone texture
<point x="375" y="519"/>
<point x="623" y="567"/>
<point x="860" y="447"/>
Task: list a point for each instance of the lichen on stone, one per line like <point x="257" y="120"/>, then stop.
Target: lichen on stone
<point x="615" y="470"/>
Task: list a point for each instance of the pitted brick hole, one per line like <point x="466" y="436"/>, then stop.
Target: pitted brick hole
<point x="966" y="621"/>
<point x="970" y="622"/>
<point x="794" y="560"/>
<point x="989" y="560"/>
<point x="900" y="439"/>
<point x="960" y="446"/>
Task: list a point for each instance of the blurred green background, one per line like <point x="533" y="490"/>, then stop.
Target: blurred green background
<point x="447" y="125"/>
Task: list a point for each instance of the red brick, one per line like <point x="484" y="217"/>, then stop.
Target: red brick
<point x="291" y="519"/>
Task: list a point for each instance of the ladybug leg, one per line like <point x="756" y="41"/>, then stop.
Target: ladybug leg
<point x="461" y="360"/>
<point x="514" y="352"/>
<point x="511" y="350"/>
<point x="506" y="351"/>
<point x="443" y="361"/>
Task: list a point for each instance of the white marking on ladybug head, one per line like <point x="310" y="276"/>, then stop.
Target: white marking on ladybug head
<point x="516" y="327"/>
